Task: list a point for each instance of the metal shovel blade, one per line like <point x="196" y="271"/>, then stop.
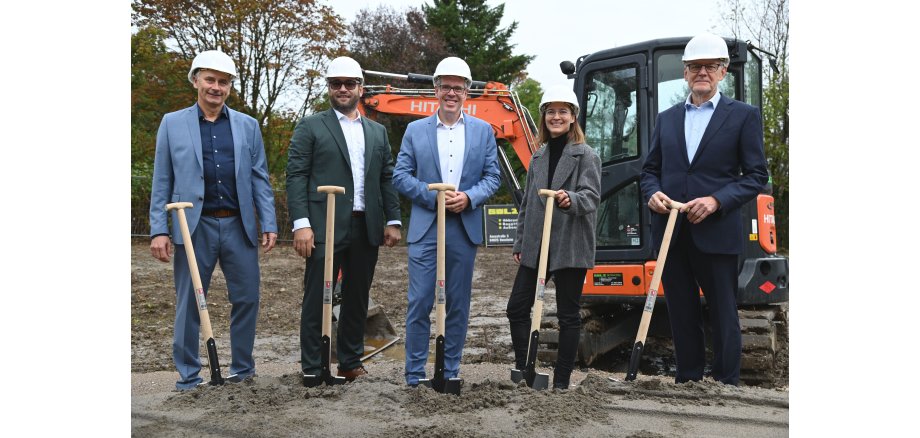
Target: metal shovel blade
<point x="438" y="382"/>
<point x="311" y="380"/>
<point x="325" y="373"/>
<point x="534" y="379"/>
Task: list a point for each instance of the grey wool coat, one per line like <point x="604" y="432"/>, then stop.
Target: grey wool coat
<point x="572" y="241"/>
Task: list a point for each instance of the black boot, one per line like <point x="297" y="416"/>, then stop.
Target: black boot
<point x="520" y="340"/>
<point x="565" y="361"/>
<point x="561" y="378"/>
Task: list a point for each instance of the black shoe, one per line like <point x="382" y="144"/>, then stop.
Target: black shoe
<point x="560" y="385"/>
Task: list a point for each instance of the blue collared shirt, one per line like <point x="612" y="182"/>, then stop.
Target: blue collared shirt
<point x="217" y="158"/>
<point x="695" y="122"/>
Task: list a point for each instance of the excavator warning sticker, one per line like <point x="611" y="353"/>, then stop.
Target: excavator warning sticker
<point x="608" y="279"/>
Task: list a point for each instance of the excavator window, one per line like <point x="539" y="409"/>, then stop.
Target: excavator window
<point x="612" y="129"/>
<point x="610" y="116"/>
<point x="618" y="219"/>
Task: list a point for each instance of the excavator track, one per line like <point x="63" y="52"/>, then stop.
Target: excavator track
<point x="764" y="333"/>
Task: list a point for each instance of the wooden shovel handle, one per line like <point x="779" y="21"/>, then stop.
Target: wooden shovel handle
<point x="544" y="257"/>
<point x="442" y="187"/>
<point x="203" y="315"/>
<point x="659" y="270"/>
<point x="178" y="205"/>
<point x="330" y="192"/>
<point x="440" y="280"/>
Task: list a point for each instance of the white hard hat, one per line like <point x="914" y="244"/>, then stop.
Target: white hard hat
<point x="559" y="93"/>
<point x="344" y="67"/>
<point x="212" y="60"/>
<point x="453" y="66"/>
<point x="706" y="46"/>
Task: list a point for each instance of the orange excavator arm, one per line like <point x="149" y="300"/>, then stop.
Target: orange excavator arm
<point x="492" y="102"/>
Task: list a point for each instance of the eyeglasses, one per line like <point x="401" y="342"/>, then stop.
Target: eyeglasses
<point x="560" y="112"/>
<point x="695" y="68"/>
<point x="446" y="89"/>
<point x="349" y="85"/>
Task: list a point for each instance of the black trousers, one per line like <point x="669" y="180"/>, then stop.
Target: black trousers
<point x="686" y="272"/>
<point x="357" y="259"/>
<point x="569" y="283"/>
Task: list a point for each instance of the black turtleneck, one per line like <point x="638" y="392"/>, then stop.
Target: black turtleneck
<point x="556" y="145"/>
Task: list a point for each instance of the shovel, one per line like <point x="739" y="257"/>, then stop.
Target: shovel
<point x="206" y="332"/>
<point x="529" y="374"/>
<point x="633" y="367"/>
<point x="438" y="382"/>
<point x="325" y="376"/>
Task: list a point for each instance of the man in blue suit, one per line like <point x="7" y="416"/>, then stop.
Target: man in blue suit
<point x="213" y="157"/>
<point x="708" y="153"/>
<point x="455" y="148"/>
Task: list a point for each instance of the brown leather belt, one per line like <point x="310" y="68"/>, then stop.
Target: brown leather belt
<point x="221" y="213"/>
<point x="356" y="213"/>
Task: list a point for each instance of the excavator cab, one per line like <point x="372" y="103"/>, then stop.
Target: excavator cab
<point x="622" y="90"/>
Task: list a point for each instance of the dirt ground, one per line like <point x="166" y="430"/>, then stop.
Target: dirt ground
<point x="274" y="403"/>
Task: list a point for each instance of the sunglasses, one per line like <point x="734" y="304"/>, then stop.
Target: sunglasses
<point x="349" y="85"/>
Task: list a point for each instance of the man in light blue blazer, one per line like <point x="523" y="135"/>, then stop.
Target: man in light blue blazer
<point x="455" y="148"/>
<point x="213" y="157"/>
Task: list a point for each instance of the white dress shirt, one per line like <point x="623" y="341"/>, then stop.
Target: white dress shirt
<point x="451" y="150"/>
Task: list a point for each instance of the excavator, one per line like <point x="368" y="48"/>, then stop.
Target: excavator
<point x="620" y="91"/>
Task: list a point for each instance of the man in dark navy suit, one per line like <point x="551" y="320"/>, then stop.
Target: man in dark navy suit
<point x="708" y="153"/>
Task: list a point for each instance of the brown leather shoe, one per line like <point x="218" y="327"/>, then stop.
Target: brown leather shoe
<point x="352" y="374"/>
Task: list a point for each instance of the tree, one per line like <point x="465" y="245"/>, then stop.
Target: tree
<point x="766" y="25"/>
<point x="279" y="48"/>
<point x="530" y="92"/>
<point x="470" y="29"/>
<point x="158" y="85"/>
<point x="395" y="42"/>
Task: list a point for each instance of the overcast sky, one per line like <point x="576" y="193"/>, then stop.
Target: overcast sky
<point x="555" y="31"/>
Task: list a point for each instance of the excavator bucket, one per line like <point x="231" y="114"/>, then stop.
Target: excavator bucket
<point x="379" y="332"/>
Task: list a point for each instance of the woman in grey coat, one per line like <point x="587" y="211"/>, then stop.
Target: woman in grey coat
<point x="572" y="169"/>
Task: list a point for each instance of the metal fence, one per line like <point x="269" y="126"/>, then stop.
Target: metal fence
<point x="140" y="208"/>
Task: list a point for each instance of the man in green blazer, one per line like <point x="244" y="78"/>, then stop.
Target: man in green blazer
<point x="339" y="147"/>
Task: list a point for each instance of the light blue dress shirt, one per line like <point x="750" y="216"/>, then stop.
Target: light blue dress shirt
<point x="695" y="122"/>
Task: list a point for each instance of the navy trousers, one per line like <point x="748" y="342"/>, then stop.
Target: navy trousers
<point x="217" y="240"/>
<point x="687" y="270"/>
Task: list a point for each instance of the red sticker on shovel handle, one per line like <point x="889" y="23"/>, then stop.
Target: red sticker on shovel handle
<point x="199" y="297"/>
<point x="650" y="300"/>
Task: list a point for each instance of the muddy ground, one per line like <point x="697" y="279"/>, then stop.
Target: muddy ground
<point x="275" y="404"/>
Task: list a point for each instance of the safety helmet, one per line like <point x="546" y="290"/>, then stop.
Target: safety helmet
<point x="453" y="66"/>
<point x="344" y="67"/>
<point x="706" y="46"/>
<point x="559" y="93"/>
<point x="212" y="60"/>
